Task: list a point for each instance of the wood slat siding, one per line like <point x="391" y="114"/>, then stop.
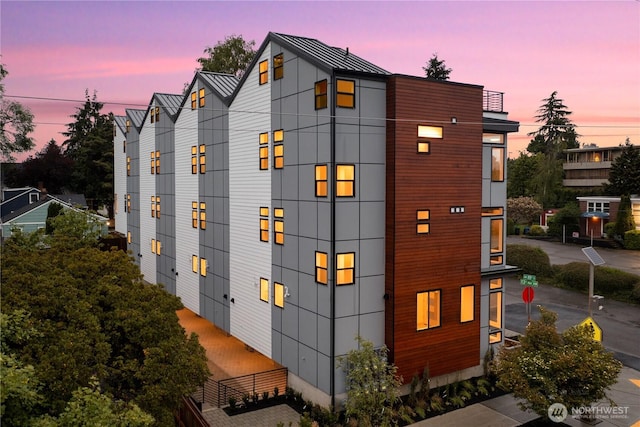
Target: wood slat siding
<point x="448" y="257"/>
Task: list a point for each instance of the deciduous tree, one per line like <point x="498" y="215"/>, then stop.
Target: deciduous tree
<point x="436" y="68"/>
<point x="523" y="210"/>
<point x="16" y="123"/>
<point x="520" y="173"/>
<point x="231" y="56"/>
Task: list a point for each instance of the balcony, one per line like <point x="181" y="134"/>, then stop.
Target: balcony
<point x="492" y="101"/>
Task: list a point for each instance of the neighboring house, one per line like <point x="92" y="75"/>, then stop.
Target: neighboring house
<point x="120" y="180"/>
<point x="587" y="168"/>
<point x="320" y="198"/>
<point x="14" y="199"/>
<point x="597" y="211"/>
<point x="131" y="200"/>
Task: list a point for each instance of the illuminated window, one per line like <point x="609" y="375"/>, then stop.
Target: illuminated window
<point x="194" y="214"/>
<point x="128" y="237"/>
<point x="496" y="259"/>
<point x="278" y="67"/>
<point x="495" y="283"/>
<point x="153" y="246"/>
<point x="264" y="289"/>
<point x="320" y="91"/>
<point x="157" y="206"/>
<point x="497" y="226"/>
<point x="321" y="181"/>
<point x="264" y="224"/>
<point x="203" y="158"/>
<point x="428" y="310"/>
<point x="203" y="216"/>
<point x="423" y="217"/>
<point x="153" y="206"/>
<point x="128" y="166"/>
<point x="155" y="162"/>
<point x="194" y="263"/>
<point x="492" y="211"/>
<point x="156" y="247"/>
<point x="263" y="150"/>
<point x="153" y="115"/>
<point x="129" y="203"/>
<point x="128" y="125"/>
<point x="492" y="138"/>
<point x="466" y="303"/>
<point x="495" y="337"/>
<point x="194" y="159"/>
<point x="278" y="226"/>
<point x="495" y="310"/>
<point x="345" y="268"/>
<point x="424" y="147"/>
<point x="201" y="98"/>
<point x="278" y="294"/>
<point x="497" y="164"/>
<point x="157" y="114"/>
<point x="345" y="93"/>
<point x="321" y="267"/>
<point x="264" y="72"/>
<point x="433" y="132"/>
<point x="203" y="267"/>
<point x="345" y="180"/>
<point x="278" y="149"/>
<point x="193" y="101"/>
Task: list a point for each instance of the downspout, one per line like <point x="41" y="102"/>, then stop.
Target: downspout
<point x="332" y="363"/>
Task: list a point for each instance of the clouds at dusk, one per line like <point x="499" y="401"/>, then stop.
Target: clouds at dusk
<point x="587" y="51"/>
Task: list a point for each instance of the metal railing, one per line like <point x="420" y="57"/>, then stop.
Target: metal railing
<point x="492" y="101"/>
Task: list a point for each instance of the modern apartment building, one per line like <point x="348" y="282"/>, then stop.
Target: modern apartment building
<point x="320" y="198"/>
<point x="588" y="168"/>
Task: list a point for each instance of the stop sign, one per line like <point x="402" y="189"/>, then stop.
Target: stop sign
<point x="527" y="294"/>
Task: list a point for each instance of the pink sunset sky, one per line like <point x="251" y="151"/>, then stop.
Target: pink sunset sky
<point x="587" y="51"/>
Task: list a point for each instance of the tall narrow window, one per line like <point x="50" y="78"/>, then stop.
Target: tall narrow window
<point x="203" y="216"/>
<point x="129" y="203"/>
<point x="345" y="93"/>
<point x="153" y="206"/>
<point x="153" y="246"/>
<point x="321" y="267"/>
<point x="264" y="71"/>
<point x="345" y="180"/>
<point x="128" y="166"/>
<point x="194" y="159"/>
<point x="203" y="267"/>
<point x="423" y="217"/>
<point x="153" y="115"/>
<point x="278" y="67"/>
<point x="193" y="100"/>
<point x="153" y="162"/>
<point x="345" y="268"/>
<point x="194" y="263"/>
<point x="278" y="294"/>
<point x="497" y="164"/>
<point x="321" y="181"/>
<point x="128" y="237"/>
<point x="157" y="206"/>
<point x="158" y="247"/>
<point x="278" y="149"/>
<point x="264" y="224"/>
<point x="194" y="214"/>
<point x="201" y="99"/>
<point x="466" y="303"/>
<point x="124" y="146"/>
<point x="128" y="125"/>
<point x="264" y="150"/>
<point x="264" y="289"/>
<point x="157" y="162"/>
<point x="320" y="90"/>
<point x="278" y="226"/>
<point x="495" y="310"/>
<point x="157" y="114"/>
<point x="496" y="235"/>
<point x="428" y="310"/>
<point x="203" y="158"/>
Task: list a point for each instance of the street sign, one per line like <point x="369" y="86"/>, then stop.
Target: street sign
<point x="591" y="324"/>
<point x="527" y="294"/>
<point x="529" y="280"/>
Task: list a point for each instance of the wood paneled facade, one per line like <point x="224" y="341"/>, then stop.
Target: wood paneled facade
<point x="448" y="257"/>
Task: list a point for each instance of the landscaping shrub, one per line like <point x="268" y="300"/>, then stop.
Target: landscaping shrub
<point x="632" y="239"/>
<point x="530" y="259"/>
<point x="607" y="281"/>
<point x="511" y="227"/>
<point x="536" y="230"/>
<point x="610" y="229"/>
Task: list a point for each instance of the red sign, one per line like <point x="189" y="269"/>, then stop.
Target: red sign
<point x="527" y="294"/>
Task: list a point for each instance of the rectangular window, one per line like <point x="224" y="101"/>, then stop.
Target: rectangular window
<point x="194" y="214"/>
<point x="153" y="115"/>
<point x="320" y="90"/>
<point x="194" y="263"/>
<point x="203" y="267"/>
<point x="278" y="149"/>
<point x="345" y="180"/>
<point x="194" y="159"/>
<point x="433" y="132"/>
<point x="264" y="289"/>
<point x="492" y="138"/>
<point x="156" y="246"/>
<point x="424" y="147"/>
<point x="201" y="98"/>
<point x="495" y="283"/>
<point x="495" y="310"/>
<point x="278" y="67"/>
<point x="345" y="268"/>
<point x="466" y="303"/>
<point x="496" y="260"/>
<point x="497" y="164"/>
<point x="321" y="181"/>
<point x="158" y="207"/>
<point x="264" y="224"/>
<point x="203" y="158"/>
<point x="428" y="310"/>
<point x="124" y="146"/>
<point x="128" y="166"/>
<point x="278" y="294"/>
<point x="153" y="246"/>
<point x="492" y="211"/>
<point x="128" y="237"/>
<point x="423" y="217"/>
<point x="128" y="125"/>
<point x="157" y="162"/>
<point x="496" y="235"/>
<point x="321" y="268"/>
<point x="495" y="337"/>
<point x="278" y="226"/>
<point x="129" y="203"/>
<point x="193" y="100"/>
<point x="345" y="93"/>
<point x="263" y="152"/>
<point x="153" y="206"/>
<point x="264" y="72"/>
<point x="153" y="162"/>
<point x="203" y="216"/>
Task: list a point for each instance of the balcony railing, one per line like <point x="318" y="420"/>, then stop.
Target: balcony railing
<point x="492" y="101"/>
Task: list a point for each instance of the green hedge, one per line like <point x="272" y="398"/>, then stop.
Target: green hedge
<point x="632" y="239"/>
<point x="536" y="230"/>
<point x="607" y="281"/>
<point x="530" y="259"/>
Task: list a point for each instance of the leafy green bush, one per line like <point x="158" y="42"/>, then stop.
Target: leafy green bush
<point x="511" y="227"/>
<point x="530" y="259"/>
<point x="607" y="281"/>
<point x="536" y="230"/>
<point x="569" y="217"/>
<point x="632" y="239"/>
<point x="610" y="229"/>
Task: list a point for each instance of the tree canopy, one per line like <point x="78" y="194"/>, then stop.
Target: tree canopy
<point x="16" y="123"/>
<point x="523" y="210"/>
<point x="231" y="56"/>
<point x="551" y="367"/>
<point x="557" y="131"/>
<point x="436" y="68"/>
<point x="49" y="167"/>
<point x="624" y="176"/>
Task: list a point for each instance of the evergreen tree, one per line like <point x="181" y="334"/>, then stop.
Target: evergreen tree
<point x="624" y="218"/>
<point x="436" y="69"/>
<point x="49" y="168"/>
<point x="231" y="56"/>
<point x="624" y="176"/>
<point x="557" y="132"/>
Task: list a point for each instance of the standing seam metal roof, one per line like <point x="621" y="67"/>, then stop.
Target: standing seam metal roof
<point x="170" y="102"/>
<point x="121" y="121"/>
<point x="137" y="117"/>
<point x="224" y="84"/>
